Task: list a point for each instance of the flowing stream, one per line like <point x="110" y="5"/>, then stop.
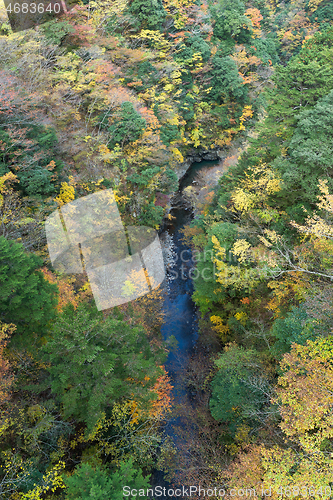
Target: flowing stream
<point x="181" y="320"/>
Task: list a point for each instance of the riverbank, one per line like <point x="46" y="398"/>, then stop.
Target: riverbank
<point x="200" y="191"/>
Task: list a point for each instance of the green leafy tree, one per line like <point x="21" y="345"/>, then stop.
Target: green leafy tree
<point x="230" y="20"/>
<point x="26" y="298"/>
<point x="323" y="14"/>
<point x="207" y="290"/>
<point x="193" y="45"/>
<point x="56" y="31"/>
<point x="127" y="127"/>
<point x="28" y="150"/>
<point x="309" y="159"/>
<point x="88" y="483"/>
<point x="187" y="107"/>
<point x="150" y="14"/>
<point x="266" y="49"/>
<point x="226" y="84"/>
<point x="310" y="152"/>
<point x="239" y="388"/>
<point x="96" y="361"/>
<point x="169" y="182"/>
<point x="151" y="215"/>
<point x="145" y="176"/>
<point x="297" y="327"/>
<point x="169" y="133"/>
<point x="298" y="86"/>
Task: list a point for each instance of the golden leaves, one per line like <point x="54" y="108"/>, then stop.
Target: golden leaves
<point x="314" y="4"/>
<point x="177" y="155"/>
<point x="316" y="225"/>
<point x="196" y="136"/>
<point x="242" y="200"/>
<point x="67" y="194"/>
<point x="220" y="327"/>
<point x="260" y="182"/>
<point x="4" y="188"/>
<point x="241" y="249"/>
<point x="247" y="113"/>
<point x="66" y="289"/>
<point x="306" y="393"/>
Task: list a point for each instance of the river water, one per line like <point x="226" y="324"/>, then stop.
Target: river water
<point x="181" y="318"/>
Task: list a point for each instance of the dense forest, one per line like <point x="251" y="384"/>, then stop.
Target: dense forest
<point x="119" y="94"/>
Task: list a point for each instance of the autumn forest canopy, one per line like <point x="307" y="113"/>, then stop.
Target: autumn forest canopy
<point x="120" y="94"/>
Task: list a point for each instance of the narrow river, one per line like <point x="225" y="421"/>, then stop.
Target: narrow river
<point x="181" y="319"/>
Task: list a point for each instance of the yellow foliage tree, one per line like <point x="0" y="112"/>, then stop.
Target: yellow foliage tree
<point x="67" y="194"/>
<point x="5" y="182"/>
<point x="220" y="328"/>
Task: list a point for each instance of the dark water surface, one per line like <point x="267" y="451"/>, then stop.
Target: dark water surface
<point x="181" y="319"/>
